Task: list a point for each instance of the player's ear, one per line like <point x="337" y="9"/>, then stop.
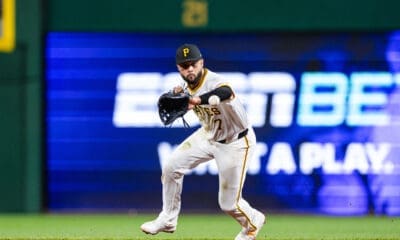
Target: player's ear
<point x="202" y="62"/>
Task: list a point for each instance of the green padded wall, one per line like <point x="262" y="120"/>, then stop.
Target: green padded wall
<point x="220" y="15"/>
<point x="21" y="114"/>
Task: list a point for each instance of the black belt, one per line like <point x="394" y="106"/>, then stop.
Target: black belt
<point x="242" y="134"/>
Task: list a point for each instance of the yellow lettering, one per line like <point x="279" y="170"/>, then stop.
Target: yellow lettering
<point x="185" y="51"/>
<point x="7" y="25"/>
<point x="215" y="111"/>
<point x="195" y="13"/>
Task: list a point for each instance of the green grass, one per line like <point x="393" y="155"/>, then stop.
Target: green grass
<point x="191" y="227"/>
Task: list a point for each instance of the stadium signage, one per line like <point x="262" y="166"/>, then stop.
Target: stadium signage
<point x="324" y="98"/>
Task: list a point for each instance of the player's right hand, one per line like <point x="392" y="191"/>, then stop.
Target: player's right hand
<point x="178" y="89"/>
<point x="193" y="101"/>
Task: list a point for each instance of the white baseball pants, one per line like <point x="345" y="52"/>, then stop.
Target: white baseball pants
<point x="232" y="161"/>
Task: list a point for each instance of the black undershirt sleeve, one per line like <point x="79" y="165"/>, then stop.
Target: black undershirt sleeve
<point x="223" y="92"/>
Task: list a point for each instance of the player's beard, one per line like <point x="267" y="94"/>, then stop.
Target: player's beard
<point x="193" y="82"/>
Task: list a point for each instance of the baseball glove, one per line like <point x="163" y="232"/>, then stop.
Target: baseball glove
<point x="172" y="106"/>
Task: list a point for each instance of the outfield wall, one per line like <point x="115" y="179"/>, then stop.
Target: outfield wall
<point x="217" y="15"/>
<point x="21" y="113"/>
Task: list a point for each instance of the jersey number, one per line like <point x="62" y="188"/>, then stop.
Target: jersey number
<point x="218" y="122"/>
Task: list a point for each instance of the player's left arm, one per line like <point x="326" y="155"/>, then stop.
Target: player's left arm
<point x="223" y="92"/>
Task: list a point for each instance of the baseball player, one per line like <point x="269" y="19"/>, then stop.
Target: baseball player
<point x="225" y="135"/>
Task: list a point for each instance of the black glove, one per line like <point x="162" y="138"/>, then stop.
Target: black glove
<point x="172" y="106"/>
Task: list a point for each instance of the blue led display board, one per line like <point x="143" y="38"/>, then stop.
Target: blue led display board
<point x="324" y="107"/>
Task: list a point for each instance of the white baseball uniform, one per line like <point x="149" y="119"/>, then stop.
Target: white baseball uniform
<point x="225" y="136"/>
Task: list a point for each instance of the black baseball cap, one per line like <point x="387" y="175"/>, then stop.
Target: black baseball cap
<point x="187" y="52"/>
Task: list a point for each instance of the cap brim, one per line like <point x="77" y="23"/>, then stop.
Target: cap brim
<point x="188" y="60"/>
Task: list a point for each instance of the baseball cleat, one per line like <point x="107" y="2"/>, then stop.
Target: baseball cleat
<point x="250" y="234"/>
<point x="156" y="226"/>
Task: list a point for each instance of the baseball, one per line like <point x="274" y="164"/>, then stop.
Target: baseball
<point x="213" y="100"/>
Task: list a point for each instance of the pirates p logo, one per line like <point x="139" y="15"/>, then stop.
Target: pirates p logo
<point x="185" y="52"/>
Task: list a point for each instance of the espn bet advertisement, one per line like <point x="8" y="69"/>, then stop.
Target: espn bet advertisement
<point x="324" y="106"/>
